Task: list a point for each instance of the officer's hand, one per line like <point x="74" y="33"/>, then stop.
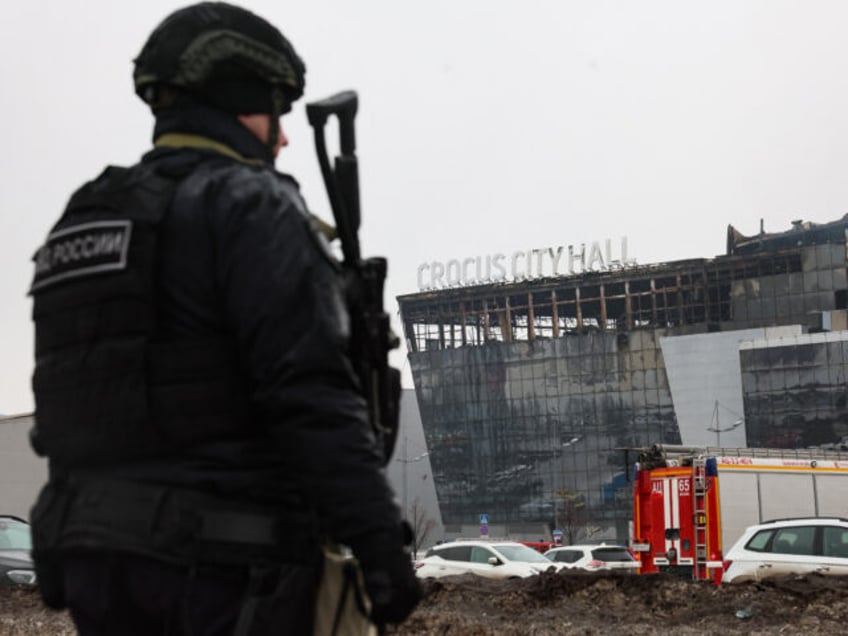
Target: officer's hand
<point x="392" y="586"/>
<point x="390" y="579"/>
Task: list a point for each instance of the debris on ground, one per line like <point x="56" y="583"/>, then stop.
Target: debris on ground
<point x="568" y="603"/>
<point x="588" y="604"/>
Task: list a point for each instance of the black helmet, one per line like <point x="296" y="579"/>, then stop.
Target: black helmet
<point x="220" y="54"/>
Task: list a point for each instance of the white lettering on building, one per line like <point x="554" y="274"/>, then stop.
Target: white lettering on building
<point x="524" y="265"/>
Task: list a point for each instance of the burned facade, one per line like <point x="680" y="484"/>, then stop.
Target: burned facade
<point x="529" y="389"/>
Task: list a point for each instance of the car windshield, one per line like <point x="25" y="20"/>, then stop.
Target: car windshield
<point x="14" y="535"/>
<point x="521" y="553"/>
<point x="611" y="554"/>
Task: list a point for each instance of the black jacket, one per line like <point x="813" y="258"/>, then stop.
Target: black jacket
<point x="242" y="259"/>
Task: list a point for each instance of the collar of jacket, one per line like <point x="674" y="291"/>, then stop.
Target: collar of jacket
<point x="183" y="140"/>
<point x="198" y="126"/>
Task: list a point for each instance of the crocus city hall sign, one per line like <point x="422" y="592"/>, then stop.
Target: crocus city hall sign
<point x="524" y="265"/>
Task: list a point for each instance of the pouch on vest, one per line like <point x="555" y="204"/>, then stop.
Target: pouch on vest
<point x="342" y="605"/>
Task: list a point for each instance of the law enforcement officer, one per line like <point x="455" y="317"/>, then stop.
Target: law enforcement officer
<point x="194" y="396"/>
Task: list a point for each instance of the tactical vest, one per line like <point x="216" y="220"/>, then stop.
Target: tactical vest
<point x="107" y="387"/>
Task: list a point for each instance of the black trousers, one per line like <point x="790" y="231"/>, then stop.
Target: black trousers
<point x="110" y="594"/>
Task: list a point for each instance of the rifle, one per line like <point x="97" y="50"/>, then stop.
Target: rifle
<point x="371" y="335"/>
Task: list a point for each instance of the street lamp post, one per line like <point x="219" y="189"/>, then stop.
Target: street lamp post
<point x="406" y="461"/>
<point x="557" y="467"/>
<point x="718" y="430"/>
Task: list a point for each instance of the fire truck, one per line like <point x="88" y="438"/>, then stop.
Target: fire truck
<point x="691" y="503"/>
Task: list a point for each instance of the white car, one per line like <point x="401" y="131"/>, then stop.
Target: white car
<point x="491" y="559"/>
<point x="16" y="567"/>
<point x="595" y="558"/>
<point x="788" y="546"/>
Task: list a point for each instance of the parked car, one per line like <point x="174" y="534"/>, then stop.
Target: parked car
<point x="16" y="567"/>
<point x="595" y="558"/>
<point x="785" y="546"/>
<point x="539" y="546"/>
<point x="491" y="559"/>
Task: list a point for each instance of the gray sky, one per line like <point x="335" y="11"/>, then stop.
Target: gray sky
<point x="484" y="127"/>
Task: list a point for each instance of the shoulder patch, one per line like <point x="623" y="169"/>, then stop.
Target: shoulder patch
<point x="82" y="250"/>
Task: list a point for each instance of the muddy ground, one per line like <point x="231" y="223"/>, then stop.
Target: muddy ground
<point x="572" y="604"/>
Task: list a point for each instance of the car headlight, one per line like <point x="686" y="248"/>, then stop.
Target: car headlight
<point x="22" y="577"/>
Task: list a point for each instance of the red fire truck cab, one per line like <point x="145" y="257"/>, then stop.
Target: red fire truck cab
<point x="674" y="503"/>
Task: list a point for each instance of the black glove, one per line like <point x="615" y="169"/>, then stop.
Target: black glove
<point x="389" y="576"/>
<point x="394" y="589"/>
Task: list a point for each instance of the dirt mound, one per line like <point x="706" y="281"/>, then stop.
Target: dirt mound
<point x="570" y="603"/>
<point x="23" y="614"/>
<point x="588" y="604"/>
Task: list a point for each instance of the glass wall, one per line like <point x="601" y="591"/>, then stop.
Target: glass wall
<point x="513" y="428"/>
<point x="795" y="394"/>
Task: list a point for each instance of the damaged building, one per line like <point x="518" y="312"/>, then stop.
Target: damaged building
<point x="530" y="386"/>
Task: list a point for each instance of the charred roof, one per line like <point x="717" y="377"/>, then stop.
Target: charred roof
<point x="800" y="234"/>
